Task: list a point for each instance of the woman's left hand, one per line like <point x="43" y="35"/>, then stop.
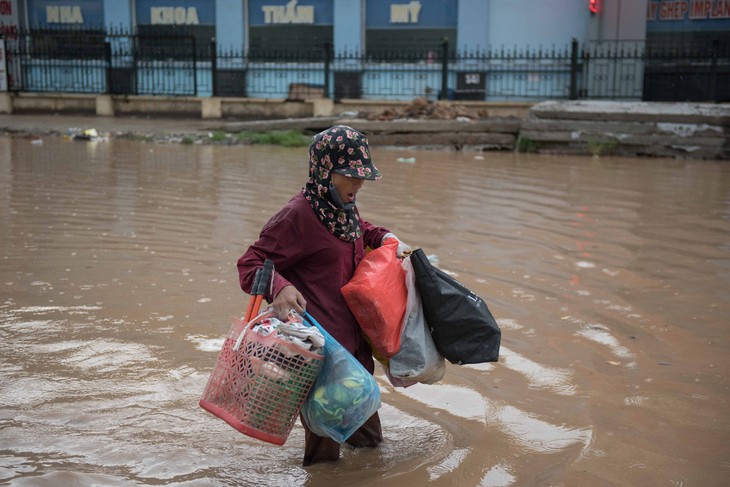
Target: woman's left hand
<point x="287" y="301"/>
<point x="403" y="248"/>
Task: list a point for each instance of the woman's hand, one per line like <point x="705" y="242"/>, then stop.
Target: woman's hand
<point x="288" y="300"/>
<point x="403" y="248"/>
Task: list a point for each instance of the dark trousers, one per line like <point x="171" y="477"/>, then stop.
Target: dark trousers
<point x="318" y="449"/>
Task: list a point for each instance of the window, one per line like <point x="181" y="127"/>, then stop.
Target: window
<point x="289" y="42"/>
<point x="175" y="42"/>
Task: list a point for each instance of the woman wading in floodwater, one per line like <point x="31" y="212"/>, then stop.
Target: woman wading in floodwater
<point x="316" y="242"/>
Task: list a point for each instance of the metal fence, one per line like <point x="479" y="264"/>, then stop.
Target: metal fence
<point x="125" y="64"/>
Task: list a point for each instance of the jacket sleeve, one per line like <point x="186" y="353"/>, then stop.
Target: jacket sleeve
<point x="373" y="236"/>
<point x="280" y="241"/>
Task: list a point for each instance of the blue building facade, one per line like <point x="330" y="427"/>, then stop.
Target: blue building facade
<point x="362" y="36"/>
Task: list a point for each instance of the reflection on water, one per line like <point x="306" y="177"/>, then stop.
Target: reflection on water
<point x="609" y="278"/>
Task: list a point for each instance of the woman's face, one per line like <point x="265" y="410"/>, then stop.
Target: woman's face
<point x="346" y="187"/>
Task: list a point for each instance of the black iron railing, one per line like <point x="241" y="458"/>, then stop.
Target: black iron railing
<point x="184" y="65"/>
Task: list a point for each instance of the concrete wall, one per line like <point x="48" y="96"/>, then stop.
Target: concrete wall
<point x="682" y="130"/>
<point x="42" y="102"/>
<point x="219" y="108"/>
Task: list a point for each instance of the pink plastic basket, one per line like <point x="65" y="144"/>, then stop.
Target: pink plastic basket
<point x="259" y="387"/>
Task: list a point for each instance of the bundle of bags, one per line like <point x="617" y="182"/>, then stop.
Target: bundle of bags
<point x="416" y="316"/>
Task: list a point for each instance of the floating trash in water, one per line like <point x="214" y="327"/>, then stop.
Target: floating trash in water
<point x="410" y="160"/>
<point x="635" y="400"/>
<point x="75" y="133"/>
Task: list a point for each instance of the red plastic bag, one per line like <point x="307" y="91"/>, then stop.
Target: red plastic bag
<point x="377" y="296"/>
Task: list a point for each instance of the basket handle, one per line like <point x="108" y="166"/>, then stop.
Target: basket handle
<point x="267" y="313"/>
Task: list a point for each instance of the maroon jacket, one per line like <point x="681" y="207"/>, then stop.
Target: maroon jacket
<point x="318" y="264"/>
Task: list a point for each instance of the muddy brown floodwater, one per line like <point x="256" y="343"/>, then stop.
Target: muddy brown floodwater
<point x="609" y="278"/>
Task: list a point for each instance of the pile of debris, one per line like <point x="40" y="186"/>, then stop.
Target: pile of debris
<point x="421" y="108"/>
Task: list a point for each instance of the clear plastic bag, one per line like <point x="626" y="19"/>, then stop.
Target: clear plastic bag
<point x="343" y="397"/>
<point x="418" y="360"/>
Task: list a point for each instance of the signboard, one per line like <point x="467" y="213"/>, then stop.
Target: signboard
<point x="9" y="18"/>
<point x="471" y="85"/>
<point x="77" y="14"/>
<point x="290" y="12"/>
<point x="297" y="29"/>
<point x="175" y="12"/>
<point x="382" y="14"/>
<point x="688" y="15"/>
<point x="417" y="27"/>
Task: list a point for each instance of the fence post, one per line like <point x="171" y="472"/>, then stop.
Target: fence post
<point x="135" y="68"/>
<point x="574" y="69"/>
<point x="327" y="62"/>
<point x="195" y="68"/>
<point x="109" y="77"/>
<point x="444" y="69"/>
<point x="214" y="65"/>
<point x="713" y="70"/>
<point x="4" y="65"/>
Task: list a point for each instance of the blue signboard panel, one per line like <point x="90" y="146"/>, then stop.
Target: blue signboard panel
<point x="688" y="15"/>
<point x="78" y="14"/>
<point x="176" y="12"/>
<point x="287" y="12"/>
<point x="389" y="14"/>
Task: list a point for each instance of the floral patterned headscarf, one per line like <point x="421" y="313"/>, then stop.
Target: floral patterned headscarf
<point x="343" y="150"/>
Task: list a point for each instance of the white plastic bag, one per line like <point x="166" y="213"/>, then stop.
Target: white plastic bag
<point x="417" y="360"/>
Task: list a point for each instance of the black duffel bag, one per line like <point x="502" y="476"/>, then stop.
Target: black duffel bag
<point x="462" y="326"/>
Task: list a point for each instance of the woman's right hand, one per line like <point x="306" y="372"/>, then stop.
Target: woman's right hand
<point x="288" y="300"/>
